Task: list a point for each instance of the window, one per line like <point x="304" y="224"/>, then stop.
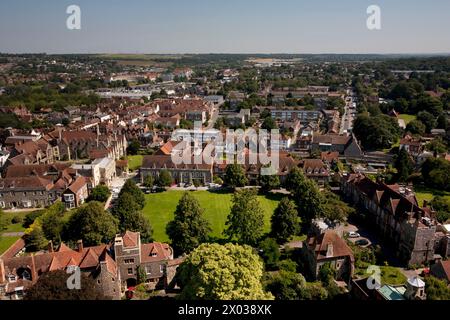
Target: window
<point x="130" y="270"/>
<point x="148" y="270"/>
<point x="26" y="275"/>
<point x="12" y="278"/>
<point x="129" y="261"/>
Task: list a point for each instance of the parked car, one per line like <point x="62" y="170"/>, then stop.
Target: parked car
<point x="353" y="234"/>
<point x="362" y="242"/>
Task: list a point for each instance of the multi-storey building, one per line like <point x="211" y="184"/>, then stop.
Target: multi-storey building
<point x="405" y="226"/>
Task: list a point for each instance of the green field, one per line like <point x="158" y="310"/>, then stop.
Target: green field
<point x="160" y="208"/>
<point x="423" y="193"/>
<point x="6" y="242"/>
<point x="407" y="117"/>
<point x="135" y="162"/>
<point x="5" y="220"/>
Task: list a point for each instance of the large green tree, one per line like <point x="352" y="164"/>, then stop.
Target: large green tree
<point x="189" y="228"/>
<point x="222" y="272"/>
<point x="53" y="286"/>
<point x="130" y="217"/>
<point x="442" y="207"/>
<point x="306" y="194"/>
<point x="428" y="120"/>
<point x="246" y="219"/>
<point x="289" y="285"/>
<point x="416" y="127"/>
<point x="92" y="224"/>
<point x="436" y="173"/>
<point x="235" y="176"/>
<point x="436" y="289"/>
<point x="164" y="179"/>
<point x="285" y="221"/>
<point x="52" y="222"/>
<point x="376" y="132"/>
<point x="404" y="165"/>
<point x="269" y="182"/>
<point x="100" y="193"/>
<point x="131" y="188"/>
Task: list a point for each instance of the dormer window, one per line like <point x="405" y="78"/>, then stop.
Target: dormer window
<point x="26" y="275"/>
<point x="11" y="278"/>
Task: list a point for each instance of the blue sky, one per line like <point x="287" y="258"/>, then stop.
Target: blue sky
<point x="225" y="26"/>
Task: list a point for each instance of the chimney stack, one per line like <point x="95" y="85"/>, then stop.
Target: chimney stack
<point x="50" y="246"/>
<point x="80" y="245"/>
<point x="329" y="250"/>
<point x="2" y="271"/>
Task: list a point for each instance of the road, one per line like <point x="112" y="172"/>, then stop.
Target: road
<point x="214" y="116"/>
<point x="348" y="117"/>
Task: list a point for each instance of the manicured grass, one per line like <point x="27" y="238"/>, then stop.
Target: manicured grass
<point x="6" y="217"/>
<point x="160" y="208"/>
<point x="389" y="275"/>
<point x="407" y="117"/>
<point x="135" y="162"/>
<point x="392" y="276"/>
<point x="6" y="242"/>
<point x="424" y="193"/>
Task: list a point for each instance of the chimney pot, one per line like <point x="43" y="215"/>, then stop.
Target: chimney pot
<point x="80" y="245"/>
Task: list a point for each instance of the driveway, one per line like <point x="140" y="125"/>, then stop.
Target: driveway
<point x="364" y="234"/>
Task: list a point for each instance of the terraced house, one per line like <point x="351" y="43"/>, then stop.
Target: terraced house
<point x="181" y="173"/>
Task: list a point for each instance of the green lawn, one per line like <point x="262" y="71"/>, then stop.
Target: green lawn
<point x="5" y="219"/>
<point x="160" y="207"/>
<point x="424" y="193"/>
<point x="407" y="117"/>
<point x="135" y="162"/>
<point x="6" y="242"/>
<point x="389" y="275"/>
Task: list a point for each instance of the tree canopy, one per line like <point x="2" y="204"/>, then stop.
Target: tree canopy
<point x="222" y="272"/>
<point x="189" y="228"/>
<point x="100" y="193"/>
<point x="53" y="286"/>
<point x="92" y="224"/>
<point x="246" y="219"/>
<point x="285" y="221"/>
<point x="235" y="176"/>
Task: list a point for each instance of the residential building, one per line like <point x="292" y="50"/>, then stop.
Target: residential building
<point x="76" y="194"/>
<point x="347" y="146"/>
<point x="181" y="173"/>
<point x="155" y="259"/>
<point x="19" y="272"/>
<point x="328" y="247"/>
<point x="395" y="213"/>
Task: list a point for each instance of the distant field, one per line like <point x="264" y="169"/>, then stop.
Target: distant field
<point x="407" y="118"/>
<point x="143" y="60"/>
<point x="160" y="208"/>
<point x="135" y="162"/>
